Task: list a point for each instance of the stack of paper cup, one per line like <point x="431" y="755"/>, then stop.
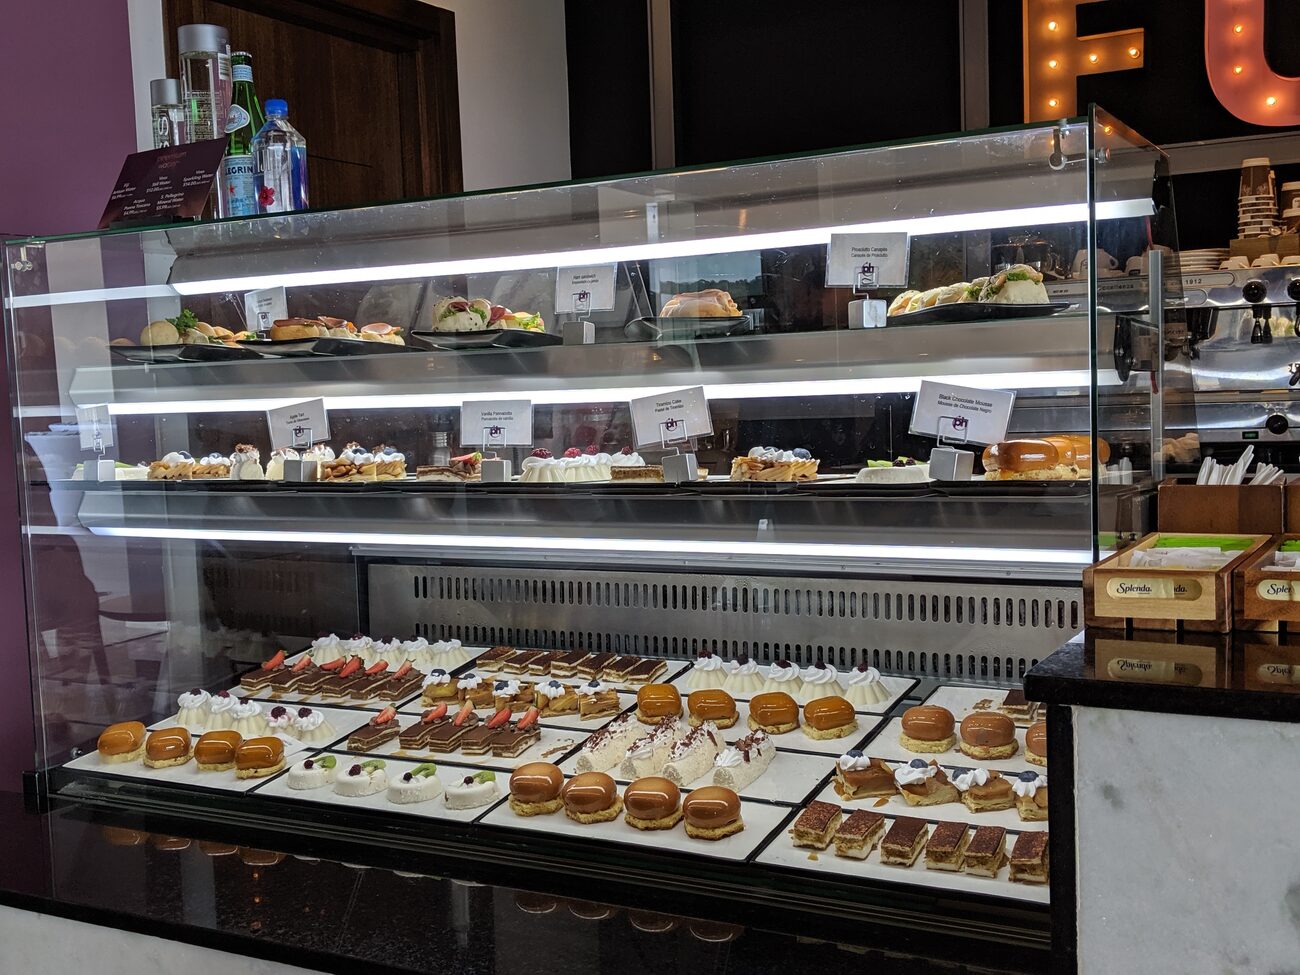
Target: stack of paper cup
<point x="1256" y="199"/>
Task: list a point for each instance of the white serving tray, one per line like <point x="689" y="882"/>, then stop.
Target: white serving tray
<point x="961" y="699"/>
<point x="898" y="687"/>
<point x="433" y="809"/>
<point x="571" y="721"/>
<point x="551" y="738"/>
<point x="344" y="720"/>
<point x="948" y="811"/>
<point x="797" y="741"/>
<point x="187" y="774"/>
<point x="789" y="779"/>
<point x="885" y="745"/>
<point x="782" y="852"/>
<point x="760" y="820"/>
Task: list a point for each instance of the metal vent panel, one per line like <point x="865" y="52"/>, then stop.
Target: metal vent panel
<point x="968" y="631"/>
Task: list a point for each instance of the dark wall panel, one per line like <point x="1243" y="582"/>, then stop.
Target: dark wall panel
<point x="757" y="77"/>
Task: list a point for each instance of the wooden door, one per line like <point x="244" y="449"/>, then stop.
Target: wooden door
<point x="371" y="84"/>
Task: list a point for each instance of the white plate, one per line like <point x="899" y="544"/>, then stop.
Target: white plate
<point x="552" y="738"/>
<point x="187" y="774"/>
<point x="433" y="809"/>
<point x="797" y="741"/>
<point x="344" y="720"/>
<point x="898" y="687"/>
<point x="949" y="811"/>
<point x="885" y="745"/>
<point x="760" y="820"/>
<point x="782" y="852"/>
<point x="416" y="706"/>
<point x="789" y="779"/>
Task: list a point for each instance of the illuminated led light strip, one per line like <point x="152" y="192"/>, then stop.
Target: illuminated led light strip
<point x="701" y="247"/>
<point x="647" y="546"/>
<point x="1058" y="379"/>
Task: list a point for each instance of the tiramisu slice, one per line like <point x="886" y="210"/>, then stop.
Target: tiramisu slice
<point x="816" y="825"/>
<point x="904" y="841"/>
<point x="566" y="664"/>
<point x="1017" y="708"/>
<point x="594" y="664"/>
<point x="1029" y="858"/>
<point x="858" y="835"/>
<point x="646" y="671"/>
<point x="947" y="846"/>
<point x="986" y="851"/>
<point x="494" y="659"/>
<point x="520" y="661"/>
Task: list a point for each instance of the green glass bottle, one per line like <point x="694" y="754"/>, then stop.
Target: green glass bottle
<point x="238" y="179"/>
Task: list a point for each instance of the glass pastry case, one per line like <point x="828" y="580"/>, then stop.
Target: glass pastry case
<point x="602" y="523"/>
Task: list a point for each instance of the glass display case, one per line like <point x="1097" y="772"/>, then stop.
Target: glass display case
<point x="189" y="536"/>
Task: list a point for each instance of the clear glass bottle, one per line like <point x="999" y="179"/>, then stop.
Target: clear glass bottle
<point x="238" y="196"/>
<point x="168" y="112"/>
<point x="280" y="154"/>
<point x="441" y="449"/>
<point x="205" y="79"/>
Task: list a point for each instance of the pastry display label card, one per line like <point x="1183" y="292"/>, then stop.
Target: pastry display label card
<point x="496" y="423"/>
<point x="958" y="413"/>
<point x="867" y="261"/>
<point x="298" y="424"/>
<point x="671" y="418"/>
<point x="263" y="308"/>
<point x="579" y="290"/>
<point x="95" y="426"/>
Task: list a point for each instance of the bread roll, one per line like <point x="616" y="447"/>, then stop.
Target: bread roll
<point x="297" y="328"/>
<point x="710" y="303"/>
<point x="899" y="305"/>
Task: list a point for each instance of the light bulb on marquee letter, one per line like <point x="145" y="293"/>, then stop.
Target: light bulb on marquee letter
<point x="1055" y="56"/>
<point x="1234" y="36"/>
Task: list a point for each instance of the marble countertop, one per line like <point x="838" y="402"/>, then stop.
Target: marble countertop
<point x="1252" y="675"/>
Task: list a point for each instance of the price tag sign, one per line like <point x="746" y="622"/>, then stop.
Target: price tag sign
<point x="671" y="418"/>
<point x="867" y="261"/>
<point x="263" y="308"/>
<point x="298" y="424"/>
<point x="958" y="413"/>
<point x="95" y="427"/>
<point x="164" y="184"/>
<point x="579" y="290"/>
<point x="496" y="423"/>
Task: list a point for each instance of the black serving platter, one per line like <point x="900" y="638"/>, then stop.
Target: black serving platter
<point x="976" y="311"/>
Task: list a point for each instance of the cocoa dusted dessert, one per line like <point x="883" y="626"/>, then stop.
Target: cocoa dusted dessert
<point x="1029" y="858"/>
<point x="566" y="664"/>
<point x="986" y="852"/>
<point x="494" y="658"/>
<point x="946" y="848"/>
<point x="858" y="835"/>
<point x="904" y="841"/>
<point x="816" y="825"/>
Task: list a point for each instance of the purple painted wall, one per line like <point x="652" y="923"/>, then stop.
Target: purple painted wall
<point x="70" y="120"/>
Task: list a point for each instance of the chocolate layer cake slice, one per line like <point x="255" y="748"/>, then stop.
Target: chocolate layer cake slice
<point x="448" y="735"/>
<point x="398" y="688"/>
<point x="417" y="736"/>
<point x="511" y="742"/>
<point x="478" y="741"/>
<point x="383" y="727"/>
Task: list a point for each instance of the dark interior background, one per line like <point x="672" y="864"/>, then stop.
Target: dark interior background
<point x="765" y="77"/>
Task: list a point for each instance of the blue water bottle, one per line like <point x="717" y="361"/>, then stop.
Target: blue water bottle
<point x="280" y="155"/>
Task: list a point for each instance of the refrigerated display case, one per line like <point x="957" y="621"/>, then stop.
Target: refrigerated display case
<point x="157" y="594"/>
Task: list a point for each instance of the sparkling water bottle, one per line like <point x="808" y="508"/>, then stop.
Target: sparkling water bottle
<point x="238" y="174"/>
<point x="280" y="155"/>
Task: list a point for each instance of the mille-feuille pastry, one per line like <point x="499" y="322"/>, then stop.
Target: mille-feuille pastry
<point x="420" y="784"/>
<point x="864" y="687"/>
<point x="535" y="789"/>
<point x="924" y="783"/>
<point x="860" y="777"/>
<point x="692" y="757"/>
<point x="820" y="680"/>
<point x="738" y="765"/>
<point x="492" y="659"/>
<point x="648" y="754"/>
<point x="1036" y="744"/>
<point x="775" y="712"/>
<point x="594" y="664"/>
<point x="215" y="750"/>
<point x="566" y="664"/>
<point x="591" y="797"/>
<point x="474" y="689"/>
<point x="986" y="851"/>
<point x="829" y="717"/>
<point x="554" y="698"/>
<point x="597" y="699"/>
<point x="122" y="742"/>
<point x="513" y="694"/>
<point x="645" y="671"/>
<point x="167" y="747"/>
<point x="652" y="802"/>
<point x="541" y="666"/>
<point x="928" y="728"/>
<point x="712" y="813"/>
<point x="711" y="704"/>
<point x="1029" y="858"/>
<point x="416" y="737"/>
<point x="313" y="773"/>
<point x="383" y="727"/>
<point x="519" y="662"/>
<point x="363" y="779"/>
<point x="983" y="790"/>
<point x="259" y="757"/>
<point x="904" y="841"/>
<point x="816" y="825"/>
<point x="782" y="675"/>
<point x="616" y="670"/>
<point x="1016" y="707"/>
<point x="516" y="737"/>
<point x="858" y="835"/>
<point x="607" y="747"/>
<point x="655" y="702"/>
<point x="743" y="677"/>
<point x="471" y="791"/>
<point x="1031" y="796"/>
<point x="709" y="671"/>
<point x="946" y="848"/>
<point x="986" y="735"/>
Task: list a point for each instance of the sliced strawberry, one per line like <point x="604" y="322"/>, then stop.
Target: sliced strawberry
<point x="276" y="661"/>
<point x="351" y="667"/>
<point x="463" y="714"/>
<point x="384" y="716"/>
<point x="334" y="665"/>
<point x="528" y="720"/>
<point x="378" y="668"/>
<point x="500" y="718"/>
<point x="405" y="669"/>
<point x="434" y="714"/>
<point x="302" y="664"/>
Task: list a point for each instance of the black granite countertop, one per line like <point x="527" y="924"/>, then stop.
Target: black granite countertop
<point x="337" y="907"/>
<point x="1251" y="675"/>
